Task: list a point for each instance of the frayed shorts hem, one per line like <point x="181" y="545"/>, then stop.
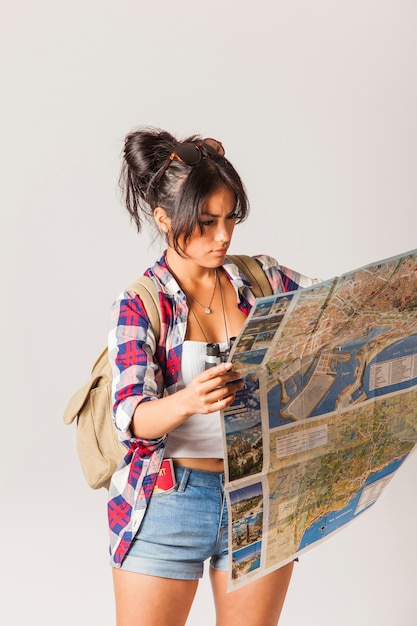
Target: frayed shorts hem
<point x="171" y="569"/>
<point x="164" y="569"/>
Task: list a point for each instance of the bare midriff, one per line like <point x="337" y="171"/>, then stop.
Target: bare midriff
<point x="206" y="465"/>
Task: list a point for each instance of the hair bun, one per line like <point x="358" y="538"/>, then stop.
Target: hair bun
<point x="146" y="150"/>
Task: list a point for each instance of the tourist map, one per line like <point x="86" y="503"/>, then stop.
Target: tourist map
<point x="328" y="414"/>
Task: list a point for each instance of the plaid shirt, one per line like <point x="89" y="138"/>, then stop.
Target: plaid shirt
<point x="144" y="371"/>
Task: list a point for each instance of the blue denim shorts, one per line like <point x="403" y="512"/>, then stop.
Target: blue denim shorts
<point x="182" y="528"/>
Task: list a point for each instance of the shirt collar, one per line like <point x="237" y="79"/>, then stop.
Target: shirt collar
<point x="171" y="286"/>
<point x="239" y="280"/>
<point x="164" y="276"/>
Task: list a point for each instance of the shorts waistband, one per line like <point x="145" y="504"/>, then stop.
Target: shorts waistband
<point x="190" y="476"/>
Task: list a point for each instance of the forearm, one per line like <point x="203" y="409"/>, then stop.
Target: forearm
<point x="156" y="418"/>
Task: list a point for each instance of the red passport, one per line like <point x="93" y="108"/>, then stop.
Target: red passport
<point x="166" y="476"/>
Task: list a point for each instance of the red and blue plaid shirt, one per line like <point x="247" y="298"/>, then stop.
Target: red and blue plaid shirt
<point x="144" y="371"/>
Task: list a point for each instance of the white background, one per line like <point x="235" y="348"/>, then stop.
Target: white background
<point x="316" y="105"/>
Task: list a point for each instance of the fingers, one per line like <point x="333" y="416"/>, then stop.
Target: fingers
<point x="218" y="375"/>
<point x="214" y="389"/>
<point x="216" y="370"/>
<point x="222" y="397"/>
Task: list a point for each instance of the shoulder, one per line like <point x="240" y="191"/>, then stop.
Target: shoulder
<point x="267" y="262"/>
<point x="128" y="310"/>
<point x="281" y="277"/>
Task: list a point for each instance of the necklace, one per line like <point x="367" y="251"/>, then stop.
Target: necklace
<point x="224" y="315"/>
<point x="207" y="309"/>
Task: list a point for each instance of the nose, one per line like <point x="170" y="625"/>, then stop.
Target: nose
<point x="222" y="233"/>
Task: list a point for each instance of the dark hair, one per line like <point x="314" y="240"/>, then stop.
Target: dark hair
<point x="182" y="190"/>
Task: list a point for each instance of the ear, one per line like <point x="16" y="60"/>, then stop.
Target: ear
<point x="162" y="220"/>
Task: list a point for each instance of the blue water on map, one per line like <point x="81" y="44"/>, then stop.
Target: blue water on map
<point x="335" y="519"/>
<point x="274" y="397"/>
<point x="254" y="357"/>
<point x="345" y="373"/>
<point x="251" y="519"/>
<point x="404" y="347"/>
<point x="345" y="376"/>
<point x="255" y="564"/>
<point x="243" y="554"/>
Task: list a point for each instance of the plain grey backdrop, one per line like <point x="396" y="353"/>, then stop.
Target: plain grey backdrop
<point x="316" y="104"/>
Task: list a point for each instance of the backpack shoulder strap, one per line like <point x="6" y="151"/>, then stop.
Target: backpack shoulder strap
<point x="145" y="288"/>
<point x="254" y="272"/>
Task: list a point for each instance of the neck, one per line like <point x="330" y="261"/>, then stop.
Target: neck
<point x="188" y="271"/>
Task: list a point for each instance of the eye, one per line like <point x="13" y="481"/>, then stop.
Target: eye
<point x="207" y="222"/>
<point x="232" y="216"/>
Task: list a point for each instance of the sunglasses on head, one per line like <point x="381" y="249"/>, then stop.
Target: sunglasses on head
<point x="191" y="153"/>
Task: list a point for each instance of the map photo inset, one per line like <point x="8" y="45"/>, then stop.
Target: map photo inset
<point x="243" y="427"/>
<point x="247" y="520"/>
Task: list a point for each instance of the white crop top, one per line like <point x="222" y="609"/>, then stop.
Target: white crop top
<point x="200" y="436"/>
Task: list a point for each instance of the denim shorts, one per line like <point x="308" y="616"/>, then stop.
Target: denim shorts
<point x="182" y="528"/>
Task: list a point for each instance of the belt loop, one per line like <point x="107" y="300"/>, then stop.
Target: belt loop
<point x="184" y="479"/>
<point x="222" y="486"/>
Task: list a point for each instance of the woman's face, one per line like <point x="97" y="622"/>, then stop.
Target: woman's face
<point x="209" y="248"/>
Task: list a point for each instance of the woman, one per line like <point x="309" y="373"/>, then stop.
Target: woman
<point x="168" y="516"/>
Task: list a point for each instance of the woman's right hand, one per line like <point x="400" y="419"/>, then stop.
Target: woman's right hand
<point x="211" y="390"/>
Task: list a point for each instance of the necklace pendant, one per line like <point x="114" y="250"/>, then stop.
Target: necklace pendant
<point x="207" y="310"/>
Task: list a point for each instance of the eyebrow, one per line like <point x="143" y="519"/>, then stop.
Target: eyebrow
<point x="207" y="214"/>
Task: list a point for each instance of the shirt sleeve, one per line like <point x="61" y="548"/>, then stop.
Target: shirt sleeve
<point x="131" y="346"/>
<point x="283" y="279"/>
